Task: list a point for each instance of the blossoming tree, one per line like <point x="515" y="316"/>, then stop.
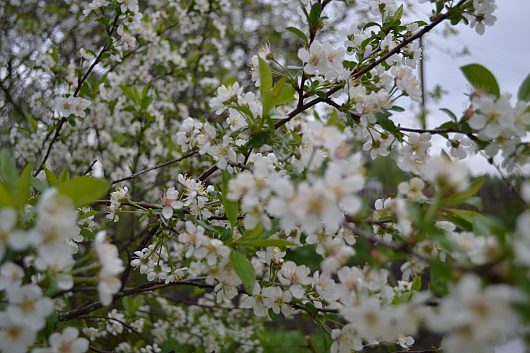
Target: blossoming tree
<point x="172" y="164"/>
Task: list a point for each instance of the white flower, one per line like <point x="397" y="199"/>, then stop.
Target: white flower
<point x="475" y="319"/>
<point x="295" y="277"/>
<point x="169" y="201"/>
<point x="413" y="189"/>
<point x="277" y="300"/>
<point x="66" y="342"/>
<point x="116" y="199"/>
<point x="407" y="82"/>
<point x="114" y="325"/>
<point x="461" y="146"/>
<point x="256" y="301"/>
<point x="29" y="306"/>
<point x="443" y="171"/>
<point x="67" y="106"/>
<point x="131" y="5"/>
<point x="15" y="335"/>
<point x="111" y="266"/>
<point x="346" y="340"/>
<point x="11" y="275"/>
<point x="368" y="318"/>
<point x="212" y="249"/>
<point x="316" y="205"/>
<point x="312" y="57"/>
<point x="491" y="116"/>
<point x="225" y="94"/>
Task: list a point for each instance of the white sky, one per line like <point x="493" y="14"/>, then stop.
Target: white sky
<point x="504" y="49"/>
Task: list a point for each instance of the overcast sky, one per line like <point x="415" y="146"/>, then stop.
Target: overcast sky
<point x="504" y="49"/>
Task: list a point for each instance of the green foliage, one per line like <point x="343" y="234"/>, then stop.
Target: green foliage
<point x="14" y="187"/>
<point x="299" y="34"/>
<point x="244" y="270"/>
<point x="462" y="197"/>
<point x="231" y="207"/>
<point x="524" y="90"/>
<point x="481" y="79"/>
<point x="84" y="190"/>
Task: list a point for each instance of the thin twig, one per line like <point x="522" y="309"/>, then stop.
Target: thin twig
<point x="89" y="169"/>
<point x="158" y="166"/>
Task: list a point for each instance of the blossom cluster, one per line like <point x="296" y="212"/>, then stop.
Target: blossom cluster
<point x="242" y="197"/>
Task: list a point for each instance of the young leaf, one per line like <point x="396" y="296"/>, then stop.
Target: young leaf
<point x="84" y="190"/>
<point x="481" y="79"/>
<point x="244" y="270"/>
<point x="23" y="185"/>
<point x="461" y="197"/>
<point x="524" y="90"/>
<point x="283" y="94"/>
<point x="265" y="76"/>
<point x="50" y="177"/>
<point x="449" y="113"/>
<point x="6" y="199"/>
<point x="298" y="33"/>
<point x="8" y="169"/>
<point x="231" y="207"/>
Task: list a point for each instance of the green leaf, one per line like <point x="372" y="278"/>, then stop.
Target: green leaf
<point x="524" y="91"/>
<point x="23" y="185"/>
<point x="263" y="243"/>
<point x="383" y="119"/>
<point x="260" y="139"/>
<point x="8" y="169"/>
<point x="283" y="93"/>
<point x="461" y="197"/>
<point x="131" y="93"/>
<point x="231" y="206"/>
<point x="314" y="17"/>
<point x="298" y="33"/>
<point x="84" y="190"/>
<point x="6" y="199"/>
<point x="265" y="77"/>
<point x="449" y="113"/>
<point x="244" y="270"/>
<point x="50" y="177"/>
<point x="481" y="79"/>
<point x="87" y="233"/>
<point x="251" y="234"/>
<point x="38" y="184"/>
<point x="416" y="283"/>
<point x="64" y="176"/>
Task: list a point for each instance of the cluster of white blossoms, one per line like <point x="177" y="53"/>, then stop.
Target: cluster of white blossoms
<point x="66" y="106"/>
<point x="53" y="238"/>
<point x="116" y="199"/>
<point x="203" y="137"/>
<point x="324" y="60"/>
<point x="67" y="341"/>
<point x="482" y="15"/>
<point x="316" y="203"/>
<point x="193" y="197"/>
<point x="476" y="319"/>
<point x="414" y="152"/>
<point x="501" y="124"/>
<point x="111" y="266"/>
<point x="267" y="212"/>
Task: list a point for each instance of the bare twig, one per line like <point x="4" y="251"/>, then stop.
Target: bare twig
<point x="158" y="166"/>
